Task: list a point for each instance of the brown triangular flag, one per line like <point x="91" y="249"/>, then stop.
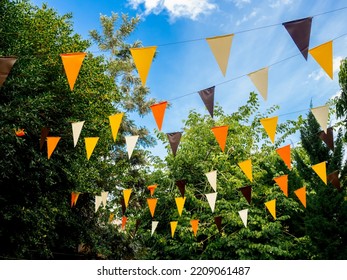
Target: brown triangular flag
<point x="333" y="178"/>
<point x="218" y="222"/>
<point x="247" y="193"/>
<point x="181" y="184"/>
<point x="6" y="64"/>
<point x="137" y="225"/>
<point x="44" y="134"/>
<point x="300" y="31"/>
<point x="174" y="139"/>
<point x="207" y="96"/>
<point x="122" y="202"/>
<point x="328" y="138"/>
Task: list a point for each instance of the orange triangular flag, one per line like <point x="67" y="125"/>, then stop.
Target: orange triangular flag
<point x="282" y="182"/>
<point x="220" y="47"/>
<point x="90" y="143"/>
<point x="52" y="143"/>
<point x="321" y="114"/>
<point x="151" y="189"/>
<point x="74" y="197"/>
<point x="115" y="121"/>
<point x="72" y="64"/>
<point x="284" y="153"/>
<point x="323" y="54"/>
<point x="173" y="226"/>
<point x="152" y="204"/>
<point x="124" y="221"/>
<point x="270" y="125"/>
<point x="126" y="195"/>
<point x="246" y="167"/>
<point x="143" y="59"/>
<point x="301" y="194"/>
<point x="221" y="133"/>
<point x="180" y="204"/>
<point x="195" y="225"/>
<point x="158" y="111"/>
<point x="321" y="171"/>
<point x="271" y="206"/>
<point x="260" y="80"/>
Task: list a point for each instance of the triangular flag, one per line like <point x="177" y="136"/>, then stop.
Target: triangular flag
<point x="207" y="96"/>
<point x="321" y="171"/>
<point x="328" y="138"/>
<point x="111" y="217"/>
<point x="244" y="216"/>
<point x="115" y="121"/>
<point x="221" y="133"/>
<point x="284" y="153"/>
<point x="300" y="31"/>
<point x="218" y="222"/>
<point x="44" y="134"/>
<point x="122" y="202"/>
<point x="271" y="206"/>
<point x="321" y="114"/>
<point x="104" y="198"/>
<point x="143" y="59"/>
<point x="124" y="221"/>
<point x="212" y="179"/>
<point x="151" y="189"/>
<point x="323" y="54"/>
<point x="260" y="80"/>
<point x="6" y="64"/>
<point x="98" y="201"/>
<point x="76" y="131"/>
<point x="195" y="225"/>
<point x="282" y="182"/>
<point x="158" y="111"/>
<point x="52" y="143"/>
<point x="90" y="143"/>
<point x="174" y="140"/>
<point x="247" y="193"/>
<point x="220" y="47"/>
<point x="181" y="184"/>
<point x="154" y="226"/>
<point x="270" y="125"/>
<point x="211" y="198"/>
<point x="301" y="194"/>
<point x="180" y="204"/>
<point x="20" y="132"/>
<point x="72" y="64"/>
<point x="126" y="195"/>
<point x="173" y="226"/>
<point x="131" y="143"/>
<point x="246" y="167"/>
<point x="334" y="179"/>
<point x="152" y="204"/>
<point x="74" y="197"/>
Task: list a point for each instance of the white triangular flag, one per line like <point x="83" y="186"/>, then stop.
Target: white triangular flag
<point x="212" y="178"/>
<point x="243" y="215"/>
<point x="76" y="131"/>
<point x="154" y="226"/>
<point x="98" y="200"/>
<point x="211" y="198"/>
<point x="131" y="143"/>
<point x="104" y="198"/>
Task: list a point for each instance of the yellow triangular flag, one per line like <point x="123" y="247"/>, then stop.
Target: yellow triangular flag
<point x="195" y="225"/>
<point x="72" y="64"/>
<point x="115" y="121"/>
<point x="143" y="59"/>
<point x="321" y="114"/>
<point x="321" y="171"/>
<point x="90" y="143"/>
<point x="271" y="206"/>
<point x="246" y="167"/>
<point x="270" y="125"/>
<point x="323" y="54"/>
<point x="220" y="47"/>
<point x="173" y="226"/>
<point x="111" y="217"/>
<point x="260" y="80"/>
<point x="180" y="204"/>
<point x="52" y="143"/>
<point x="126" y="195"/>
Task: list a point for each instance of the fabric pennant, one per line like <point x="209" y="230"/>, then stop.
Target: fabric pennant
<point x="154" y="226"/>
<point x="151" y="189"/>
<point x="181" y="184"/>
<point x="212" y="179"/>
<point x="98" y="201"/>
<point x="6" y="64"/>
<point x="211" y="198"/>
<point x="260" y="80"/>
<point x="244" y="216"/>
<point x="76" y="131"/>
<point x="247" y="193"/>
<point x="271" y="206"/>
<point x="174" y="140"/>
<point x="334" y="180"/>
<point x="284" y="153"/>
<point x="282" y="182"/>
<point x="152" y="204"/>
<point x="20" y="132"/>
<point x="143" y="58"/>
<point x="320" y="169"/>
<point x="323" y="54"/>
<point x="158" y="111"/>
<point x="122" y="202"/>
<point x="301" y="194"/>
<point x="328" y="138"/>
<point x="115" y="121"/>
<point x="74" y="197"/>
<point x="270" y="125"/>
<point x="44" y="134"/>
<point x="218" y="222"/>
<point x="180" y="204"/>
<point x="111" y="217"/>
<point x="220" y="47"/>
<point x="246" y="167"/>
<point x="173" y="226"/>
<point x="221" y="134"/>
<point x="195" y="226"/>
<point x="124" y="222"/>
<point x="72" y="64"/>
<point x="104" y="198"/>
<point x="90" y="143"/>
<point x="126" y="195"/>
<point x="131" y="143"/>
<point x="300" y="31"/>
<point x="207" y="96"/>
<point x="321" y="114"/>
<point x="52" y="143"/>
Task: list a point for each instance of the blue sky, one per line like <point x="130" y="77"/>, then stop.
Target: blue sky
<point x="188" y="67"/>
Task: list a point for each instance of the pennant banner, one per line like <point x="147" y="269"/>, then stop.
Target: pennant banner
<point x="20" y="132"/>
<point x="301" y="194"/>
<point x="52" y="143"/>
<point x="260" y="80"/>
<point x="321" y="114"/>
<point x="270" y="125"/>
<point x="72" y="64"/>
<point x="195" y="225"/>
<point x="271" y="206"/>
<point x="218" y="222"/>
<point x="76" y="131"/>
<point x="154" y="226"/>
<point x="174" y="140"/>
<point x="126" y="195"/>
<point x="323" y="54"/>
<point x="131" y="143"/>
<point x="247" y="193"/>
<point x="212" y="179"/>
<point x="211" y="198"/>
<point x="44" y="134"/>
<point x="143" y="60"/>
<point x="181" y="184"/>
<point x="158" y="111"/>
<point x="115" y="121"/>
<point x="124" y="222"/>
<point x="151" y="189"/>
<point x="334" y="179"/>
<point x="246" y="167"/>
<point x="98" y="201"/>
<point x="122" y="202"/>
<point x="244" y="216"/>
<point x="220" y="47"/>
<point x="321" y="171"/>
<point x="221" y="133"/>
<point x="300" y="31"/>
<point x="90" y="143"/>
<point x="173" y="226"/>
<point x="111" y="217"/>
<point x="104" y="198"/>
<point x="180" y="204"/>
<point x="152" y="204"/>
<point x="284" y="153"/>
<point x="6" y="64"/>
<point x="207" y="96"/>
<point x="282" y="182"/>
<point x="328" y="138"/>
<point x="74" y="197"/>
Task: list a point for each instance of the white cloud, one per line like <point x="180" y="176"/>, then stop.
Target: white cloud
<point x="319" y="74"/>
<point x="279" y="3"/>
<point x="241" y="3"/>
<point x="176" y="8"/>
<point x="247" y="17"/>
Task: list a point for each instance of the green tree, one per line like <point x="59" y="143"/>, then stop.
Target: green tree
<point x="341" y="100"/>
